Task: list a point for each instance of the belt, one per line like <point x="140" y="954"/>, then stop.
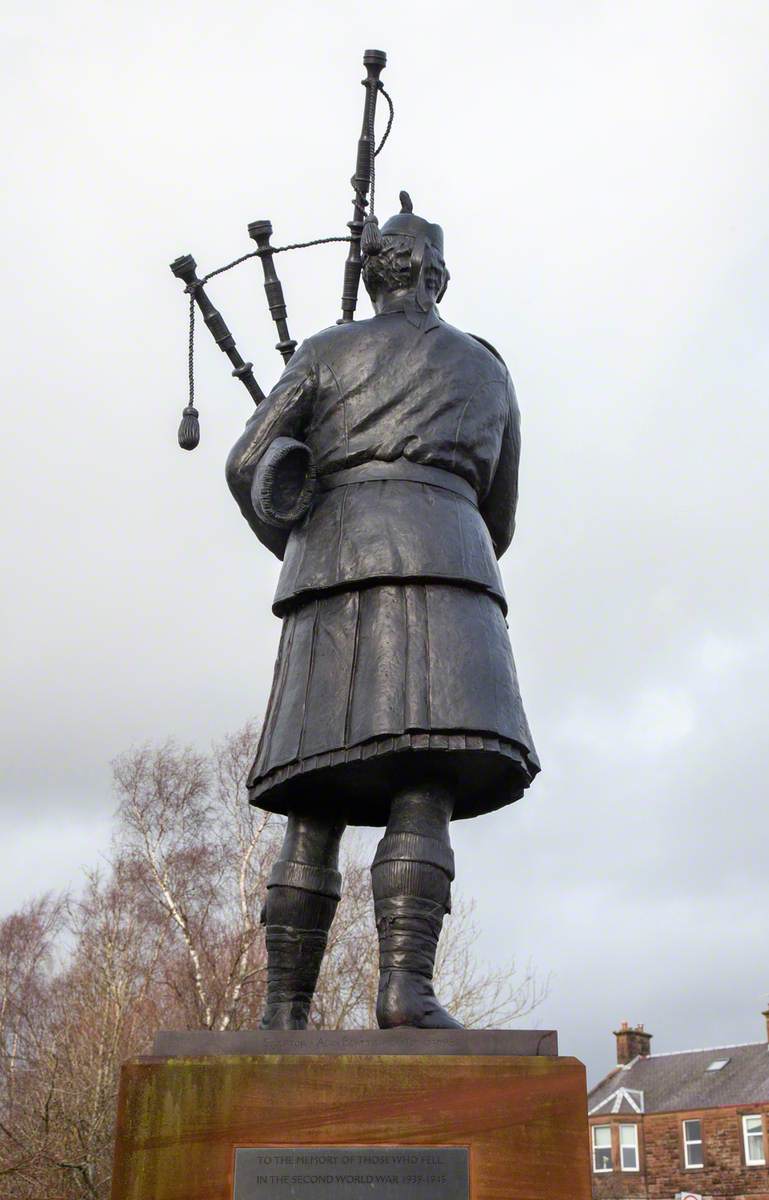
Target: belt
<point x="401" y="469"/>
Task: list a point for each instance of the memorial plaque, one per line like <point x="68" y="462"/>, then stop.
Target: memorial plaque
<point x="351" y="1172"/>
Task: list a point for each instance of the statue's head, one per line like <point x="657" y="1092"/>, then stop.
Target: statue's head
<point x="411" y="259"/>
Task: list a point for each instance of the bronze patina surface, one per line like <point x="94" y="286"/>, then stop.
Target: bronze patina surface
<point x="382" y="470"/>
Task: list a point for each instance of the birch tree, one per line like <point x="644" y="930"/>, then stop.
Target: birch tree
<point x="167" y="935"/>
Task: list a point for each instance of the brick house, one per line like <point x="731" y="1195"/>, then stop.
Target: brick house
<point x="694" y="1123"/>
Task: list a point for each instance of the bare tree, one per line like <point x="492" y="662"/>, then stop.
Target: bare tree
<point x="168" y="935"/>
<point x="201" y="855"/>
<point x="78" y="1024"/>
<point x="27" y="940"/>
<point x="103" y="1008"/>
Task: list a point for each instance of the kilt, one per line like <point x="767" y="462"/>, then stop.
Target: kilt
<point x="377" y="687"/>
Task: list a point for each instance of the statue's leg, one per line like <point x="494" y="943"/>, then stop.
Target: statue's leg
<point x="411" y="877"/>
<point x="302" y="896"/>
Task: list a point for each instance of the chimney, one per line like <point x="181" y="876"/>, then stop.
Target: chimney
<point x="632" y="1042"/>
<point x="765" y="1015"/>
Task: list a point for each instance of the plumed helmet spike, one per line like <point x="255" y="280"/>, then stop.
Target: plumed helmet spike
<point x="407" y="224"/>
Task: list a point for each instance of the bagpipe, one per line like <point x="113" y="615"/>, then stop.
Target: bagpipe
<point x="364" y="234"/>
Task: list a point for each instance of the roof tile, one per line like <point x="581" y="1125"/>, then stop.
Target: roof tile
<point x="680" y="1081"/>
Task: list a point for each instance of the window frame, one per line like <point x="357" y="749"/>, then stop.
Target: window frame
<point x="593" y="1147"/>
<point x="753" y="1162"/>
<point x="689" y="1141"/>
<point x="629" y="1125"/>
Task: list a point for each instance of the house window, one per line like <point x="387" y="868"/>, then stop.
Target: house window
<point x="601" y="1148"/>
<point x="628" y="1147"/>
<point x="693" y="1156"/>
<point x="753" y="1137"/>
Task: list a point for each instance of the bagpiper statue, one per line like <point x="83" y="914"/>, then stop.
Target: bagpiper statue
<point x="382" y="469"/>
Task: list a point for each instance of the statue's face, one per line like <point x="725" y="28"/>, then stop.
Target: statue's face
<point x="435" y="273"/>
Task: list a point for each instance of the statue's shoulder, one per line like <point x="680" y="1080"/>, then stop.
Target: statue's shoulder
<point x="492" y="349"/>
<point x="476" y="346"/>
<point x="336" y="337"/>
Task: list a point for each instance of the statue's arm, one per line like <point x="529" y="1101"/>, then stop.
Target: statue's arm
<point x="284" y="413"/>
<point x="499" y="505"/>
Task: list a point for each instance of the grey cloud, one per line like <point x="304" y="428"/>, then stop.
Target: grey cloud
<point x="601" y="174"/>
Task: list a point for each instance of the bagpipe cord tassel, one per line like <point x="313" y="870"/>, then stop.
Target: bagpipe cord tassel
<point x="189" y="426"/>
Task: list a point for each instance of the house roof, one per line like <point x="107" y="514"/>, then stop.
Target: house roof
<point x="679" y="1081"/>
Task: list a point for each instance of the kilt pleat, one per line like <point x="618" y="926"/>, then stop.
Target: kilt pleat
<point x="385" y="670"/>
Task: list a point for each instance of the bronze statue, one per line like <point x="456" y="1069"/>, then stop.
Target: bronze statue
<point x="382" y="469"/>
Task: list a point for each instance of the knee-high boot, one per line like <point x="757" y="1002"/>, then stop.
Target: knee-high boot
<point x="411" y="879"/>
<point x="300" y="906"/>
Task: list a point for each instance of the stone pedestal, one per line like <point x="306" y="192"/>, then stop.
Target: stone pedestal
<point x="396" y="1115"/>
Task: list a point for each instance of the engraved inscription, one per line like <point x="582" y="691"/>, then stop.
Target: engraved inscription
<point x="351" y="1172"/>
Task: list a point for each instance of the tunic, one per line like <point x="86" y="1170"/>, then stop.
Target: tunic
<point x="394" y="659"/>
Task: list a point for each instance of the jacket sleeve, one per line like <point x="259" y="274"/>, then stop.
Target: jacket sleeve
<point x="284" y="413"/>
<point x="499" y="505"/>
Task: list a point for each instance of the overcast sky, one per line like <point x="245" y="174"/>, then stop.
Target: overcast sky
<point x="601" y="171"/>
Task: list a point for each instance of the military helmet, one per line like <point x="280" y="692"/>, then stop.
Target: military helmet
<point x="407" y="224"/>
<point x="423" y="234"/>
